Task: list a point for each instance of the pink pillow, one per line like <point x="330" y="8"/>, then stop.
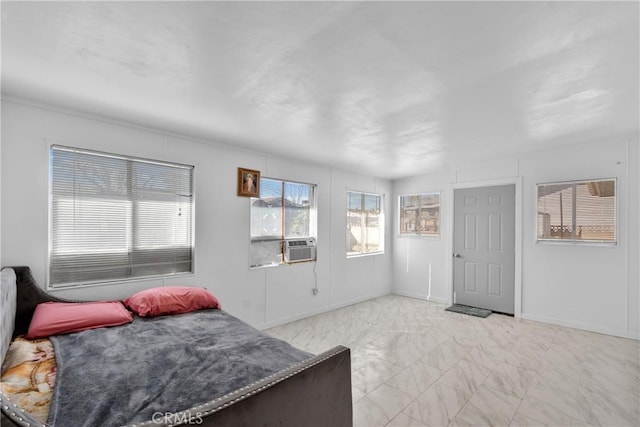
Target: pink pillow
<point x="54" y="318"/>
<point x="170" y="300"/>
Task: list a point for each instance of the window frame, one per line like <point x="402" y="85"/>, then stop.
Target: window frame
<point x="573" y="241"/>
<point x="128" y="279"/>
<point x="313" y="223"/>
<point x="418" y="234"/>
<point x="381" y="224"/>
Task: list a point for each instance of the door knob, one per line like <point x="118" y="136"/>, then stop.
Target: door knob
<point x="457" y="256"/>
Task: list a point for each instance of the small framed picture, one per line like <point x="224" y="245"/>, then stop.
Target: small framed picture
<point x="248" y="183"/>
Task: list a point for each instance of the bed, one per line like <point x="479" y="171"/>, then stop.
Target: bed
<point x="205" y="368"/>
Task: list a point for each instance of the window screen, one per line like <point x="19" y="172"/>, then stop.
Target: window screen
<point x="284" y="210"/>
<point x="581" y="211"/>
<point x="116" y="218"/>
<point x="365" y="225"/>
<point x="420" y="214"/>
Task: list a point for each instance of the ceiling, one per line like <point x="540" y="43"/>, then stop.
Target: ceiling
<point x="389" y="89"/>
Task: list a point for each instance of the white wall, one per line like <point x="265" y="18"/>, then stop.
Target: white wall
<point x="1" y="264"/>
<point x="591" y="287"/>
<point x="595" y="288"/>
<point x="262" y="297"/>
<point x="418" y="262"/>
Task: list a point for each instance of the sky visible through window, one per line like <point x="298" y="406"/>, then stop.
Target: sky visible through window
<point x="296" y="192"/>
<point x="371" y="201"/>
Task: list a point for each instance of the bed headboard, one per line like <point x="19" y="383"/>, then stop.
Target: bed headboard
<point x="8" y="302"/>
<point x="28" y="296"/>
<point x="19" y="296"/>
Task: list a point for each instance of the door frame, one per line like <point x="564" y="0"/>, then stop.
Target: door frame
<point x="517" y="181"/>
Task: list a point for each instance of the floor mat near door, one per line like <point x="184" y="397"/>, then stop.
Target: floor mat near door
<point x="472" y="311"/>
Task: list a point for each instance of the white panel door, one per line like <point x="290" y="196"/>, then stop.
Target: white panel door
<point x="484" y="247"/>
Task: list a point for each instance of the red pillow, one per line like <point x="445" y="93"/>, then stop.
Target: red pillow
<point x="55" y="318"/>
<point x="170" y="300"/>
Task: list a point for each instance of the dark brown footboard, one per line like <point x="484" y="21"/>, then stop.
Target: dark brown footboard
<point x="316" y="393"/>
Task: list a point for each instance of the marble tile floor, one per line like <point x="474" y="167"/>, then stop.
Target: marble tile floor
<point x="414" y="364"/>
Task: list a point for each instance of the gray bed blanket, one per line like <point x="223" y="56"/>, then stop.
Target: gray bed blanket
<point x="132" y="373"/>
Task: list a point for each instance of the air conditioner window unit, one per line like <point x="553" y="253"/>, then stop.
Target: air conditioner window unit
<point x="297" y="250"/>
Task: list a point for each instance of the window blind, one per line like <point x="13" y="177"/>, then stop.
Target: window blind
<point x="577" y="211"/>
<point x="116" y="217"/>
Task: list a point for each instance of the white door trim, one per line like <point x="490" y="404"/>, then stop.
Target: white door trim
<point x="517" y="303"/>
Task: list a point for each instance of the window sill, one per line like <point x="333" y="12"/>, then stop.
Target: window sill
<point x="365" y="255"/>
<point x="418" y="236"/>
<point x="80" y="285"/>
<point x="576" y="243"/>
<point x="259" y="267"/>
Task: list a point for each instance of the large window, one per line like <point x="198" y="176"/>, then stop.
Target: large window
<point x="284" y="210"/>
<point x="579" y="211"/>
<point x="365" y="223"/>
<point x="420" y="214"/>
<point x="117" y="218"/>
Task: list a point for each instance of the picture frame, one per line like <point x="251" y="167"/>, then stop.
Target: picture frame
<point x="248" y="183"/>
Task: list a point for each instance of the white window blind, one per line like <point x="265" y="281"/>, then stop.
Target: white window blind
<point x="579" y="211"/>
<point x="117" y="218"/>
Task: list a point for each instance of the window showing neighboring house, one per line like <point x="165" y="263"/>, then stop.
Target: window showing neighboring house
<point x="365" y="223"/>
<point x="116" y="218"/>
<point x="420" y="214"/>
<point x="577" y="211"/>
<point x="285" y="210"/>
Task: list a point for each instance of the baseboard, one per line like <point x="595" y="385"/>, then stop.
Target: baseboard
<point x="439" y="300"/>
<point x="284" y="320"/>
<point x="419" y="296"/>
<point x="526" y="316"/>
<point x="410" y="294"/>
<point x="583" y="326"/>
<point x="358" y="300"/>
